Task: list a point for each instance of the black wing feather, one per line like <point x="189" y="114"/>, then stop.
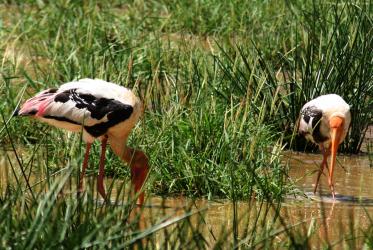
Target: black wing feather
<point x="98" y="108"/>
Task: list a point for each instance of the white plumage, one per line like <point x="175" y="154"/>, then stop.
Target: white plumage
<point x="330" y="106"/>
<point x="82" y="116"/>
<point x="325" y="121"/>
<point x="102" y="110"/>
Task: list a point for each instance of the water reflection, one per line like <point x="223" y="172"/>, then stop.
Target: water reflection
<point x="316" y="215"/>
<point x="352" y="177"/>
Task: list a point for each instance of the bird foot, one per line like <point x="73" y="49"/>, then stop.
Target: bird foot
<point x="331" y="186"/>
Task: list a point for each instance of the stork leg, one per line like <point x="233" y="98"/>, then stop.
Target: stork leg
<point x="101" y="171"/>
<point x="324" y="163"/>
<point x="139" y="165"/>
<point x="336" y="125"/>
<point x="85" y="164"/>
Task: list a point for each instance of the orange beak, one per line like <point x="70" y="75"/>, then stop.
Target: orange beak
<point x="336" y="126"/>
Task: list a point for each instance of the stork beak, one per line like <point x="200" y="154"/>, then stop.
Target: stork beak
<point x="336" y="126"/>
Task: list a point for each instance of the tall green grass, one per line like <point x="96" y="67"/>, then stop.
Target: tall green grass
<point x="197" y="142"/>
<point x="330" y="52"/>
<point x="222" y="84"/>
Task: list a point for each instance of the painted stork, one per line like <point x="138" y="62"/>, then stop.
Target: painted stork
<point x="325" y="121"/>
<point x="100" y="110"/>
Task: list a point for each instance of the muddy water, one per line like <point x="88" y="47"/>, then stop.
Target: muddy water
<point x="353" y="178"/>
<point x="326" y="222"/>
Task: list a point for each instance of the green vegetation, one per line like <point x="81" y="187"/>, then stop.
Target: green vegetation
<point x="222" y="83"/>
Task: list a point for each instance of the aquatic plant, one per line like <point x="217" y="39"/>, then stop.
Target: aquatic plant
<point x="222" y="84"/>
<point x="328" y="50"/>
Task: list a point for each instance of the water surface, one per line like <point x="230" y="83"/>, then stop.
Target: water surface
<point x="318" y="215"/>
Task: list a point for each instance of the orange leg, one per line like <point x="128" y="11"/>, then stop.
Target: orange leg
<point x="85" y="164"/>
<point x="336" y="126"/>
<point x="324" y="163"/>
<point x="101" y="171"/>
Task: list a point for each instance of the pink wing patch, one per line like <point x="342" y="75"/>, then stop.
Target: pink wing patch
<point x="37" y="104"/>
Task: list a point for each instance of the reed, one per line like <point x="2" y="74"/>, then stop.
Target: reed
<point x="222" y="83"/>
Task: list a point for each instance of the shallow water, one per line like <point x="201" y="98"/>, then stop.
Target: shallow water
<point x="326" y="221"/>
<point x="352" y="176"/>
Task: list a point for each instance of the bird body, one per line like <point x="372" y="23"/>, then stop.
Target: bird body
<point x="325" y="121"/>
<point x="95" y="107"/>
<point x="316" y="115"/>
<point x="101" y="110"/>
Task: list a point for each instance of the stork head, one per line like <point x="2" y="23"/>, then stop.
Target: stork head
<point x="309" y="124"/>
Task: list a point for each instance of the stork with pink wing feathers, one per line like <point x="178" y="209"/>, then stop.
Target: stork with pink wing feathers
<point x="103" y="111"/>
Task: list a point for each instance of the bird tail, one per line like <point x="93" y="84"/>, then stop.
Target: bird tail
<point x="36" y="105"/>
